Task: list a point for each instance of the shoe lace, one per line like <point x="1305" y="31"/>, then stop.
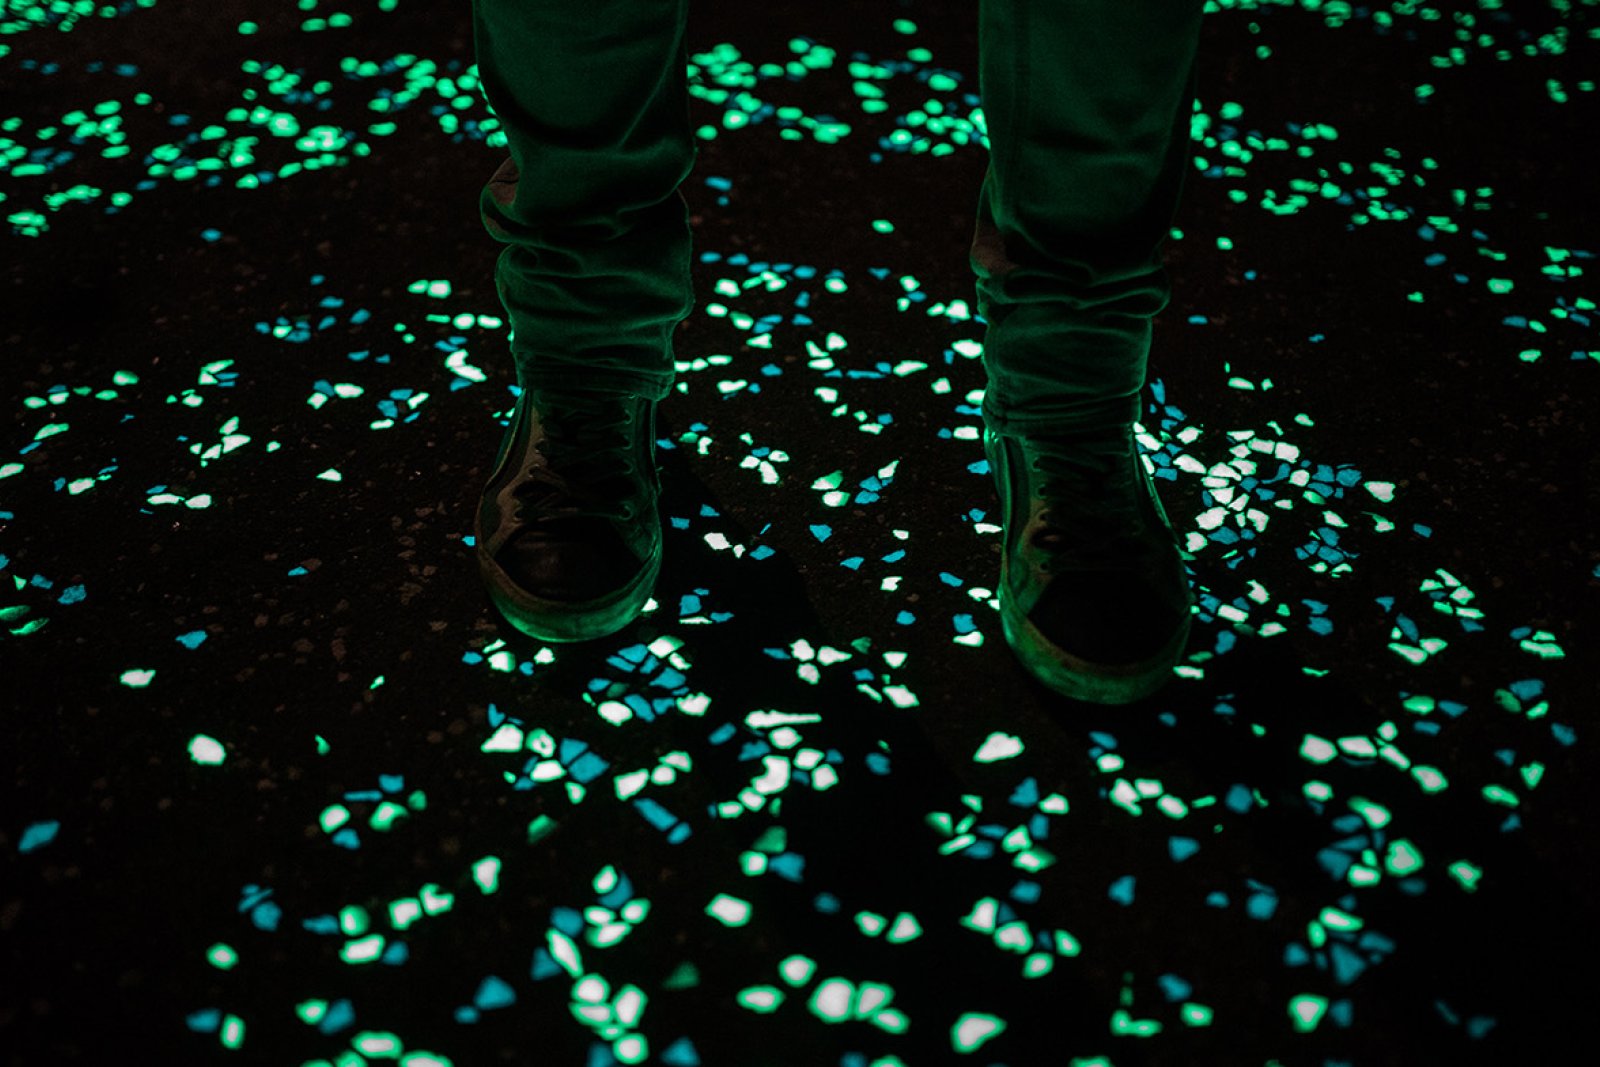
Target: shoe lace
<point x="1092" y="519"/>
<point x="589" y="453"/>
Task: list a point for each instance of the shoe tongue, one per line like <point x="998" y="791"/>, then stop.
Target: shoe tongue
<point x="589" y="419"/>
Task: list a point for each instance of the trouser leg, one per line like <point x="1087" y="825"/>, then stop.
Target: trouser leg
<point x="593" y="98"/>
<point x="1088" y="106"/>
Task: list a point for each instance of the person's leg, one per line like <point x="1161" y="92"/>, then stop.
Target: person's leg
<point x="594" y="278"/>
<point x="593" y="99"/>
<point x="1088" y="105"/>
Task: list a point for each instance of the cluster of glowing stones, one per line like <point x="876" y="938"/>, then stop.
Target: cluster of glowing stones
<point x="838" y="1000"/>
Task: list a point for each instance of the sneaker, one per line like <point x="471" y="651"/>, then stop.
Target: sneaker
<point x="568" y="531"/>
<point x="1094" y="598"/>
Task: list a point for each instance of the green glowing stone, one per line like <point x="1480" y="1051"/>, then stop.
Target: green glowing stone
<point x="998" y="746"/>
<point x="1306" y="1010"/>
<point x="1017" y="840"/>
<point x="870" y="923"/>
<point x="1362" y="876"/>
<point x="1037" y="965"/>
<point x="564" y="952"/>
<point x="830" y="1001"/>
<point x="1467" y="874"/>
<point x="486" y="872"/>
<point x="1495" y="794"/>
<point x="1122" y="1023"/>
<point x="626" y="785"/>
<point x="761" y="999"/>
<point x="882" y="226"/>
<point x="362" y="950"/>
<point x="1316" y="749"/>
<point x="311" y="1011"/>
<point x="137" y="679"/>
<point x="905" y="928"/>
<point x="222" y="957"/>
<point x="377" y="1043"/>
<point x="353" y="920"/>
<point x="608" y="934"/>
<point x="434" y="900"/>
<point x="403" y="912"/>
<point x="1319" y="791"/>
<point x="895" y="1022"/>
<point x="1335" y="919"/>
<point x="1402" y="858"/>
<point x="631" y="1048"/>
<point x="384" y="816"/>
<point x="232" y="1033"/>
<point x="982" y="916"/>
<point x="1358" y="747"/>
<point x="730" y="910"/>
<point x="615" y="712"/>
<point x="591" y="989"/>
<point x="973" y="1029"/>
<point x="206" y="751"/>
<point x="629" y="1005"/>
<point x="1376" y="815"/>
<point x="869" y="998"/>
<point x="1172" y="807"/>
<point x="1013" y="936"/>
<point x="1431" y="779"/>
<point x="540" y="827"/>
<point x="333" y="817"/>
<point x="797" y="970"/>
<point x="1196" y="1014"/>
<point x="1125" y="796"/>
<point x="424" y="1059"/>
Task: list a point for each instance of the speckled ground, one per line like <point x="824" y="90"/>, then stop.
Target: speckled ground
<point x="287" y="791"/>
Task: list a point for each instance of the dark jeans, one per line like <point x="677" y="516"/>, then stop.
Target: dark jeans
<point x="1087" y="103"/>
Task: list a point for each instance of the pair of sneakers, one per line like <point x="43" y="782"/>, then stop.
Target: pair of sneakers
<point x="1094" y="599"/>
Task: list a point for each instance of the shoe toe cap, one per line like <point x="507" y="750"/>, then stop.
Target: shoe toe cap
<point x="568" y="570"/>
<point x="1134" y="622"/>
